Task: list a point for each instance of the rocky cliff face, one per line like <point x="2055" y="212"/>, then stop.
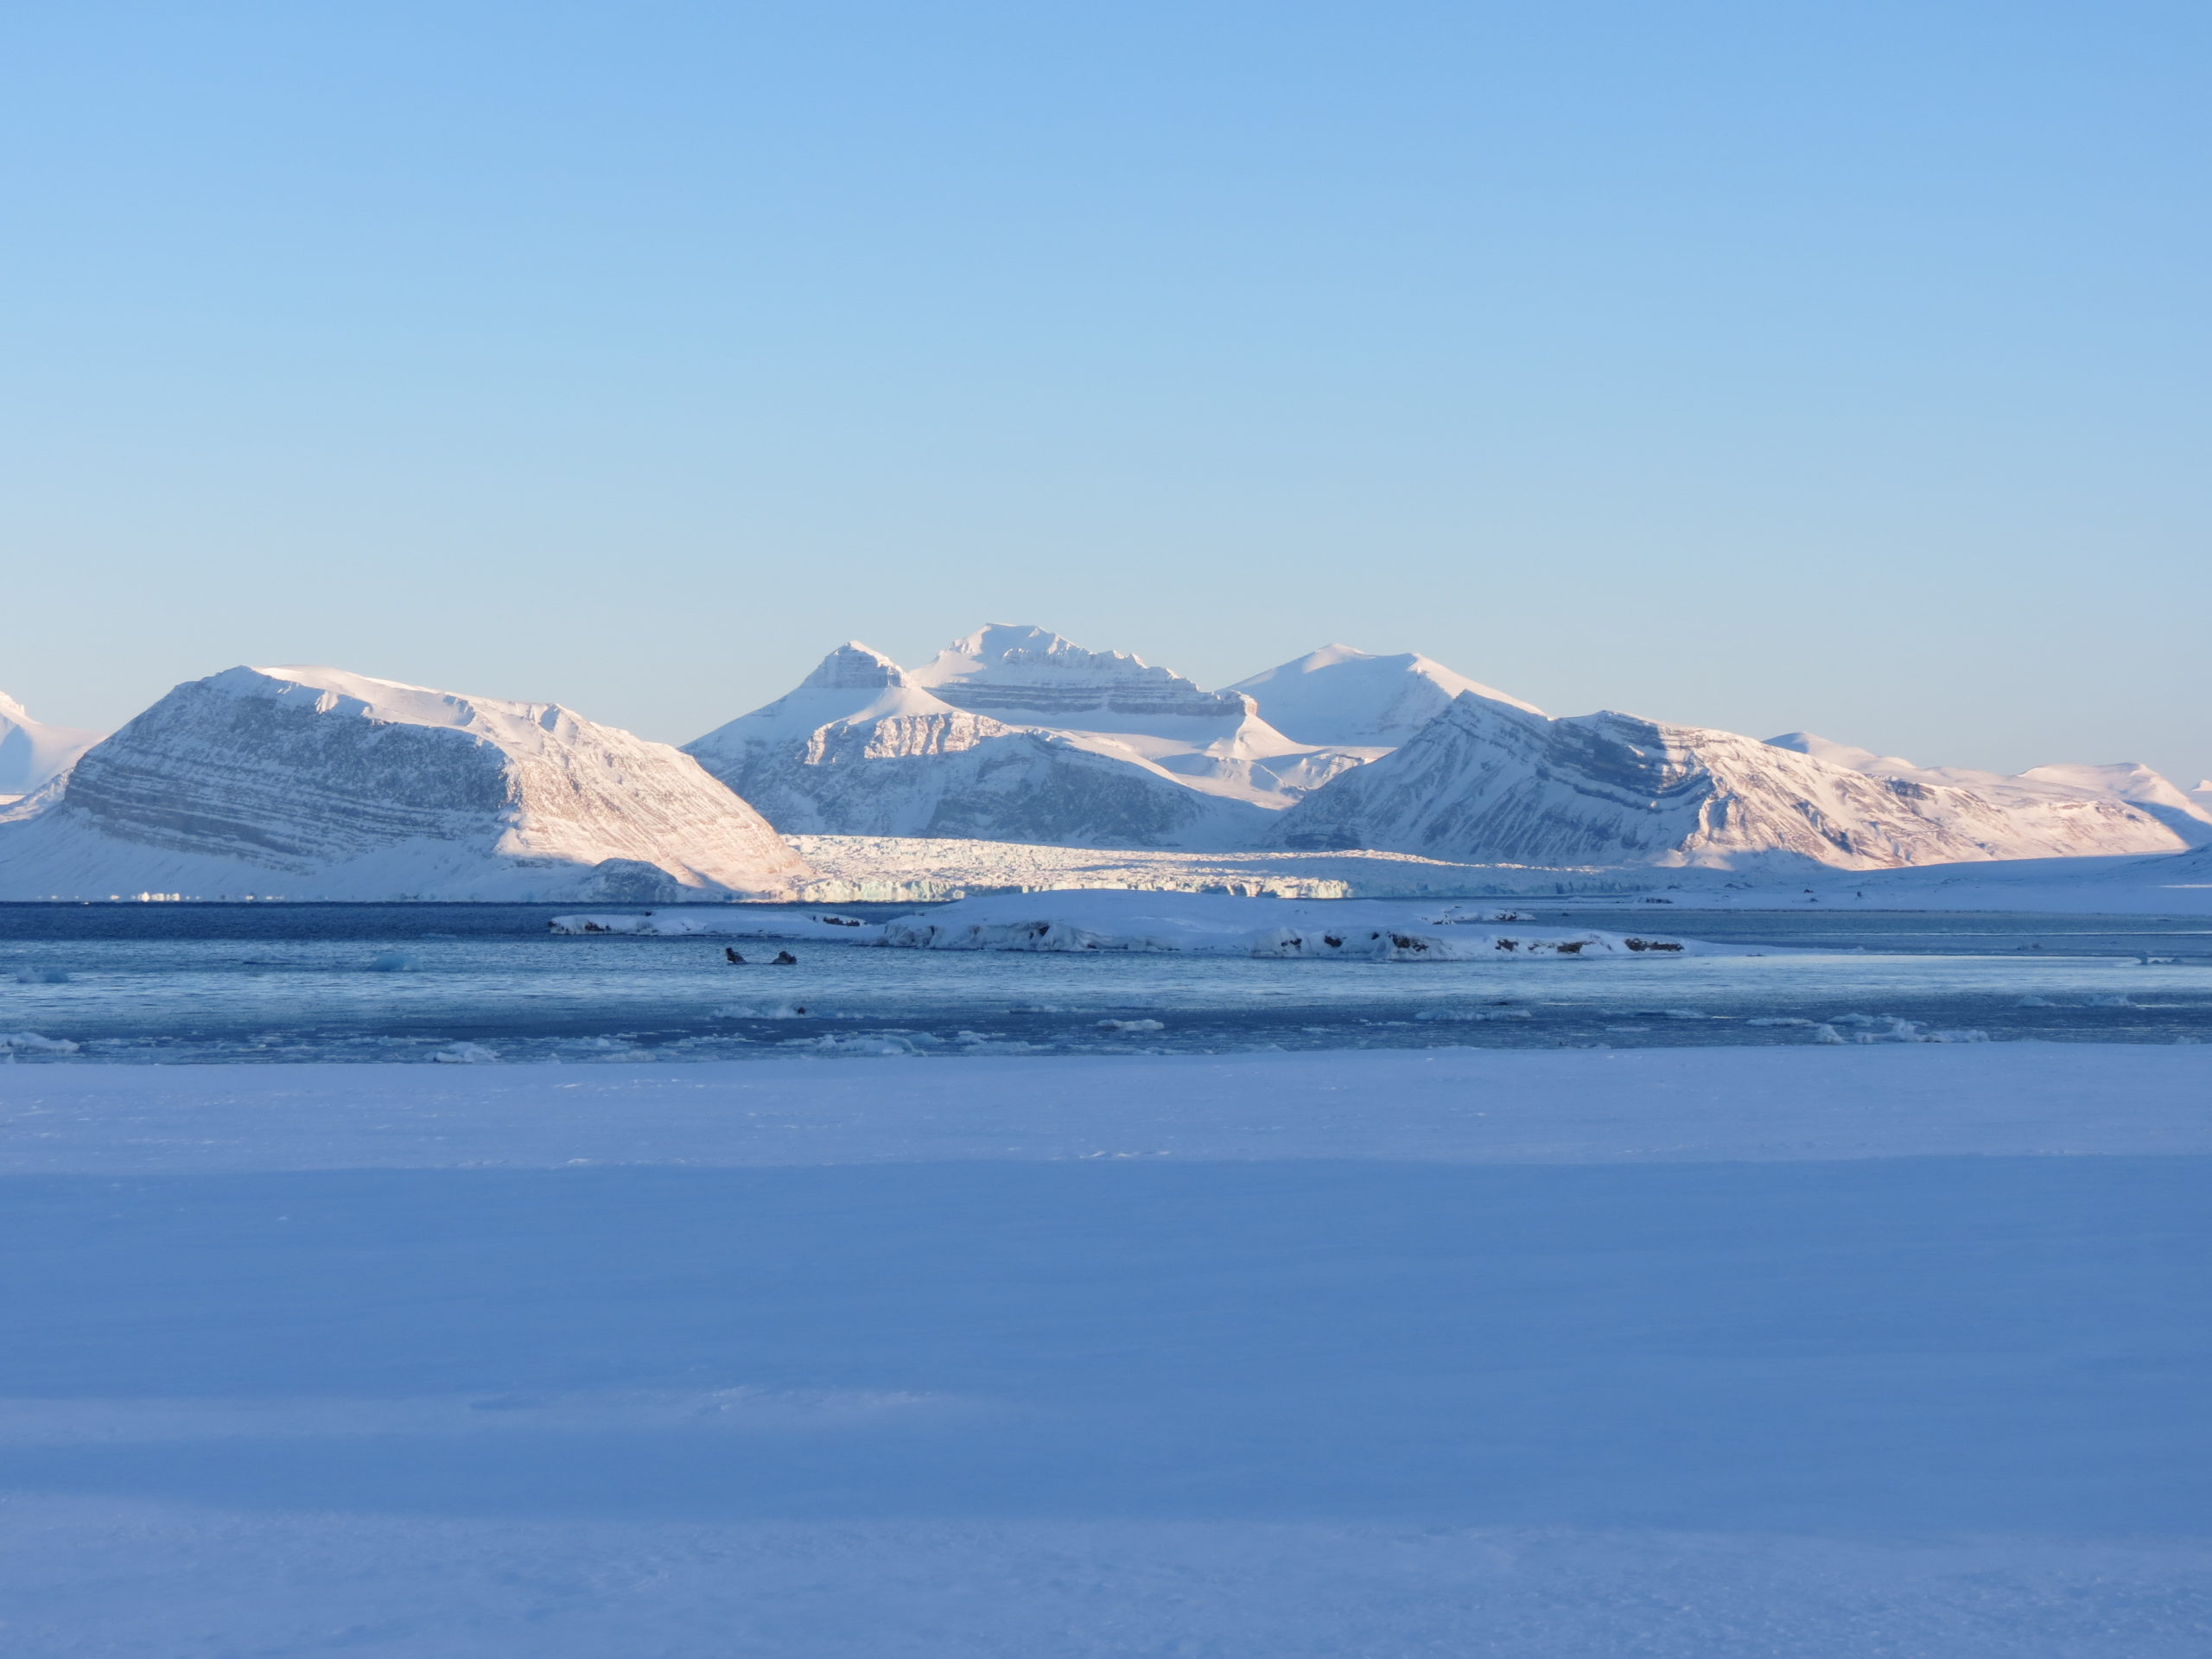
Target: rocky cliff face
<point x="1491" y="782"/>
<point x="314" y="782"/>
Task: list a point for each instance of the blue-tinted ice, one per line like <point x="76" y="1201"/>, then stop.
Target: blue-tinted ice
<point x="467" y="983"/>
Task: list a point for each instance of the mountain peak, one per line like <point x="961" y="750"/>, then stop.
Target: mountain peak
<point x="1340" y="695"/>
<point x="32" y="752"/>
<point x="1006" y="650"/>
<point x="853" y="667"/>
<point x="1030" y="676"/>
<point x="1846" y="755"/>
<point x="321" y="783"/>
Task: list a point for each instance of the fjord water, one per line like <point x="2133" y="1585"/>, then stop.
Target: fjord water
<point x="291" y="983"/>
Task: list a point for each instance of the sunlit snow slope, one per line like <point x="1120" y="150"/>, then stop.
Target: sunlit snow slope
<point x="1013" y="734"/>
<point x="2033" y="790"/>
<point x="312" y="783"/>
<point x="32" y="752"/>
<point x="1351" y="698"/>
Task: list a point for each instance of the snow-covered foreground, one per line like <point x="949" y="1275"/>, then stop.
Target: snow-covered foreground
<point x="1711" y="1352"/>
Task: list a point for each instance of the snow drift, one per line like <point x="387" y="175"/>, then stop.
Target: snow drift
<point x="312" y="783"/>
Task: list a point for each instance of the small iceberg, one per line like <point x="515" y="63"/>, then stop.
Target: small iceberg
<point x="465" y="1054"/>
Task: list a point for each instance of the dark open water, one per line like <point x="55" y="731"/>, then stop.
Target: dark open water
<point x="290" y="982"/>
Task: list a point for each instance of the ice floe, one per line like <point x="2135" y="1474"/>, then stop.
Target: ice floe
<point x="1204" y="924"/>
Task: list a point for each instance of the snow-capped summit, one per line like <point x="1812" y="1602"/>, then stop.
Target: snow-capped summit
<point x="1018" y="735"/>
<point x="825" y="754"/>
<point x="317" y="783"/>
<point x="1032" y="676"/>
<point x="853" y="665"/>
<point x="1487" y="781"/>
<point x="854" y="685"/>
<point x="1353" y="699"/>
<point x="862" y="747"/>
<point x="31" y="752"/>
<point x="2186" y="813"/>
<point x="1845" y="754"/>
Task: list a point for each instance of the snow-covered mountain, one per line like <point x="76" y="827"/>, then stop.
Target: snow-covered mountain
<point x="1486" y="780"/>
<point x="2128" y="781"/>
<point x="1015" y="733"/>
<point x="1114" y="704"/>
<point x="315" y="783"/>
<point x="2187" y="813"/>
<point x="1351" y="699"/>
<point x="1030" y="677"/>
<point x="31" y="752"/>
<point x="312" y="783"/>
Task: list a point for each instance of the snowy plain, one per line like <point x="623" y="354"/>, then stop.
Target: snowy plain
<point x="1718" y="1352"/>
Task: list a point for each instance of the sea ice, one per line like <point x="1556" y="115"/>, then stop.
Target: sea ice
<point x="465" y="1054"/>
<point x="1691" y="1354"/>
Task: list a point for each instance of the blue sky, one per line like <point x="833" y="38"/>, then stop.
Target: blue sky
<point x="1766" y="366"/>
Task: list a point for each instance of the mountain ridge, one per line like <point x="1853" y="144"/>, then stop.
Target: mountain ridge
<point x="1300" y="756"/>
<point x="315" y="782"/>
